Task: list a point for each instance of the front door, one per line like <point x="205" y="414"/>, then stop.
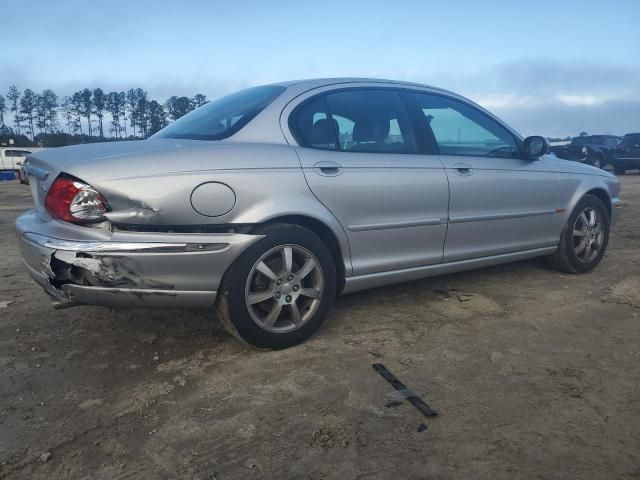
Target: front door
<point x="500" y="203"/>
<point x="360" y="159"/>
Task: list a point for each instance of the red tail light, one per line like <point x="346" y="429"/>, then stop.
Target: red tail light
<point x="72" y="200"/>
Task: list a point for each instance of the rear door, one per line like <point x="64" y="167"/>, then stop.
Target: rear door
<point x="360" y="158"/>
<point x="500" y="203"/>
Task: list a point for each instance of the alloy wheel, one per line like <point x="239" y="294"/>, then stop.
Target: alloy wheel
<point x="588" y="235"/>
<point x="284" y="288"/>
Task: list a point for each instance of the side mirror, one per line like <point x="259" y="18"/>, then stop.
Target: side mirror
<point x="535" y="147"/>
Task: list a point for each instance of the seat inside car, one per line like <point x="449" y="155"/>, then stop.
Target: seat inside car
<point x="370" y="134"/>
<point x="323" y="133"/>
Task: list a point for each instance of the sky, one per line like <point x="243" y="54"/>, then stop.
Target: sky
<point x="554" y="68"/>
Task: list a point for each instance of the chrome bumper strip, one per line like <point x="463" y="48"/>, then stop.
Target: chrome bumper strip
<point x="102" y="247"/>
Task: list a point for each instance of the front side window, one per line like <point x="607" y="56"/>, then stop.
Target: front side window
<point x="459" y="129"/>
<point x="222" y="117"/>
<point x="355" y="120"/>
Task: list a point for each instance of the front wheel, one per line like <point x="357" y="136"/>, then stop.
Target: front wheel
<point x="584" y="238"/>
<point x="279" y="291"/>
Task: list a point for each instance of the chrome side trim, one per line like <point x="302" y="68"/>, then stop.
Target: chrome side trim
<point x="103" y="247"/>
<point x="406" y="224"/>
<point x="373" y="280"/>
<point x="499" y="216"/>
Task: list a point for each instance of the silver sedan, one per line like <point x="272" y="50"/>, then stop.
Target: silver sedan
<point x="268" y="202"/>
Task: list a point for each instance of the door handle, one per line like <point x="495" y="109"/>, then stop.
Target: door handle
<point x="463" y="169"/>
<point x="328" y="169"/>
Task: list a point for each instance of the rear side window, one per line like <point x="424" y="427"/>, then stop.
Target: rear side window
<point x="356" y="120"/>
<point x="312" y="125"/>
<point x="222" y="117"/>
<point x="459" y="129"/>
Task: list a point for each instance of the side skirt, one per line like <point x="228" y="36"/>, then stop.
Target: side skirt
<point x="373" y="280"/>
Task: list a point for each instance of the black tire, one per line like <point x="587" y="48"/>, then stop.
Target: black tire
<point x="231" y="306"/>
<point x="619" y="170"/>
<point x="565" y="258"/>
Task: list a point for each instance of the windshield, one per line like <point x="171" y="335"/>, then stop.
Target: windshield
<point x="222" y="117"/>
<point x="631" y="138"/>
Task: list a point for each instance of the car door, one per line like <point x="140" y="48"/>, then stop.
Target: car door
<point x="629" y="149"/>
<point x="611" y="143"/>
<point x="359" y="157"/>
<point x="499" y="202"/>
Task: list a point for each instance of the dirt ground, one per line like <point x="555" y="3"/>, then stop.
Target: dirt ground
<point x="535" y="374"/>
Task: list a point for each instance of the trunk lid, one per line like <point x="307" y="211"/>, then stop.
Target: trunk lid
<point x="44" y="167"/>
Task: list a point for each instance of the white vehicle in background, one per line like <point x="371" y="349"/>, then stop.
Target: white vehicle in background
<point x="12" y="158"/>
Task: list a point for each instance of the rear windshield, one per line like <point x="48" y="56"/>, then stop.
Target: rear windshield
<point x="631" y="138"/>
<point x="222" y="117"/>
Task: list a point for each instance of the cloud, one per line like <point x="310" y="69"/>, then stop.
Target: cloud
<point x="570" y="77"/>
<point x="555" y="97"/>
<point x="560" y="119"/>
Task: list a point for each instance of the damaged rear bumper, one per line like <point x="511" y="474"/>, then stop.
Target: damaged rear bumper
<point x="94" y="266"/>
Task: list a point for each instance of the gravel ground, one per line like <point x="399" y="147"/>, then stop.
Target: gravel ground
<point x="535" y="374"/>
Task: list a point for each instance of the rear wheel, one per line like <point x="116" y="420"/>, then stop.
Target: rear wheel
<point x="584" y="238"/>
<point x="278" y="292"/>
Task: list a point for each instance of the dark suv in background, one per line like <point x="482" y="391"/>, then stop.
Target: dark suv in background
<point x="596" y="150"/>
<point x="627" y="155"/>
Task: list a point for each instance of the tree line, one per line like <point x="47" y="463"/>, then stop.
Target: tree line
<point x="88" y="115"/>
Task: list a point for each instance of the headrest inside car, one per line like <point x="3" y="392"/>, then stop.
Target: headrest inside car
<point x="323" y="132"/>
<point x="371" y="130"/>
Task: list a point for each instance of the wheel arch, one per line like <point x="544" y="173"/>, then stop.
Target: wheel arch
<point x="603" y="195"/>
<point x="325" y="233"/>
<point x="574" y="187"/>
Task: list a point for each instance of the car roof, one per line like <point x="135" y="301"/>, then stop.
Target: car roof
<point x="311" y="83"/>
